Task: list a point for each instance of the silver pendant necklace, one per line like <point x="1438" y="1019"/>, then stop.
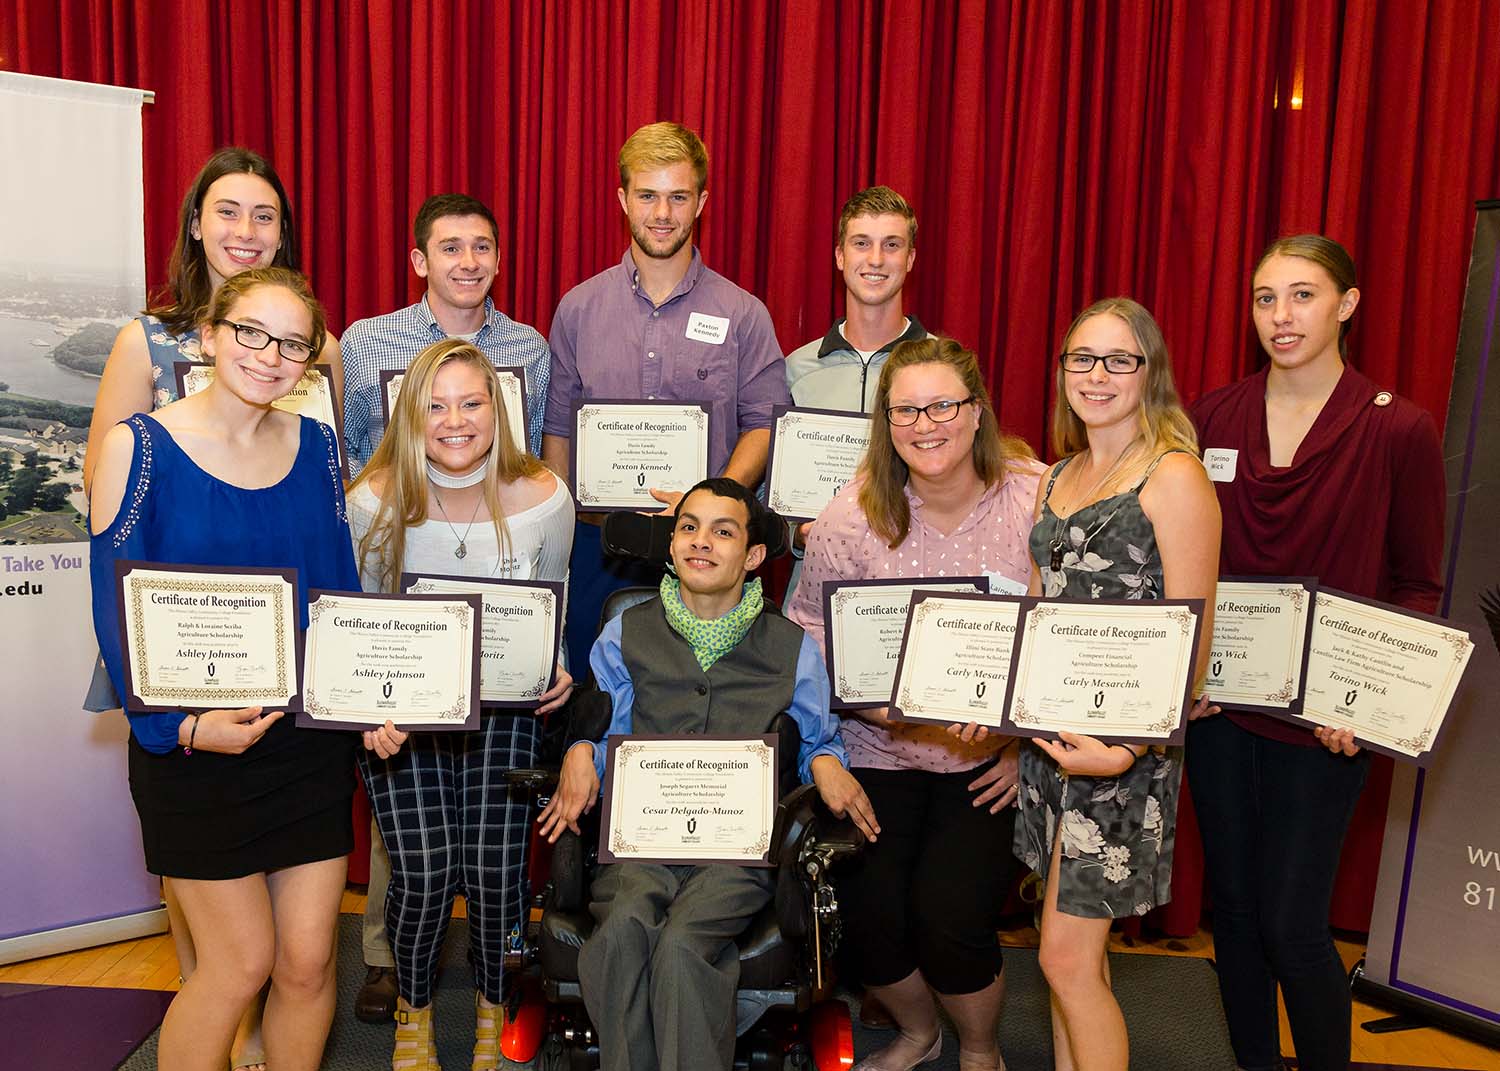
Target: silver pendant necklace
<point x="462" y="550"/>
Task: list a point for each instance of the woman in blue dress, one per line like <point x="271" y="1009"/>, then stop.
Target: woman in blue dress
<point x="248" y="814"/>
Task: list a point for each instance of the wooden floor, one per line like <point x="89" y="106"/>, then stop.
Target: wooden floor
<point x="150" y="963"/>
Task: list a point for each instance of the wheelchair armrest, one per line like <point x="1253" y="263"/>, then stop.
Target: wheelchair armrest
<point x="574" y="856"/>
<point x="808" y="840"/>
<point x="537" y="781"/>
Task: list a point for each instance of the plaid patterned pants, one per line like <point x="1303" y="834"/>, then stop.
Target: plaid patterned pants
<point x="452" y="824"/>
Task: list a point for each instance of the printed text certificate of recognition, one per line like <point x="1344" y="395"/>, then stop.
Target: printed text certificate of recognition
<point x="813" y="454"/>
<point x="863" y="622"/>
<point x="1115" y="669"/>
<point x="202" y="638"/>
<point x="955" y="658"/>
<point x="519" y="634"/>
<point x="689" y="800"/>
<point x="1387" y="673"/>
<point x="512" y="396"/>
<point x="312" y="396"/>
<point x="409" y="659"/>
<point x="1259" y="648"/>
<point x="622" y="449"/>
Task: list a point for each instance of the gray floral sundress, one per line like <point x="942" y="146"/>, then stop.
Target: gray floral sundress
<point x="1116" y="833"/>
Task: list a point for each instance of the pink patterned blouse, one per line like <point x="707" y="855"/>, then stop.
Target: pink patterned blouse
<point x="841" y="546"/>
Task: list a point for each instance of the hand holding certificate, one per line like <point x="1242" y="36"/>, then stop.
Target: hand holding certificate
<point x="196" y="638"/>
<point x="689" y="800"/>
<point x="814" y="453"/>
<point x="623" y="449"/>
<point x="1386" y="673"/>
<point x="519" y="636"/>
<point x="1117" y="670"/>
<point x="409" y="659"/>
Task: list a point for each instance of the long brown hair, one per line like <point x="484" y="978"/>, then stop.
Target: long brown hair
<point x="883" y="494"/>
<point x="1162" y="422"/>
<point x="401" y="461"/>
<point x="183" y="304"/>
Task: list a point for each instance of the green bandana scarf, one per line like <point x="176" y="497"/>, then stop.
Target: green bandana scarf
<point x="710" y="640"/>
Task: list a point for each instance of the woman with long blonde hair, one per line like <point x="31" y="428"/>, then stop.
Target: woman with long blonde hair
<point x="1127" y="513"/>
<point x="448" y="493"/>
<point x="941" y="492"/>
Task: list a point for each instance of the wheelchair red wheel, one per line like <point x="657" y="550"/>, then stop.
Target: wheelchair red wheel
<point x="523" y="1031"/>
<point x="830" y="1035"/>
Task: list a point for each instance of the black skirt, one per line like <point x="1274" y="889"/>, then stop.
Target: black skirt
<point x="284" y="802"/>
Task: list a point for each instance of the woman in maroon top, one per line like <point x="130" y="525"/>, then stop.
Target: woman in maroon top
<point x="1320" y="473"/>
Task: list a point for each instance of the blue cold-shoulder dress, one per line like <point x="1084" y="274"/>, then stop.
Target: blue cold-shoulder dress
<point x="286" y="800"/>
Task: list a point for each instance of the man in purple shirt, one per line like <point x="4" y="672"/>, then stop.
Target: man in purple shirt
<point x="659" y="325"/>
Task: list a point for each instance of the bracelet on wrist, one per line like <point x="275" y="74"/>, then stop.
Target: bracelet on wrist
<point x="187" y="749"/>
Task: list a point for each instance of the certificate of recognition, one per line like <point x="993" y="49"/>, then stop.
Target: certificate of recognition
<point x="512" y="395"/>
<point x="409" y="659"/>
<point x="519" y="633"/>
<point x="689" y="800"/>
<point x="1259" y="648"/>
<point x="955" y="658"/>
<point x="1387" y="673"/>
<point x="312" y="396"/>
<point x="1116" y="669"/>
<point x="863" y="622"/>
<point x="623" y="449"/>
<point x="814" y="453"/>
<point x="200" y="638"/>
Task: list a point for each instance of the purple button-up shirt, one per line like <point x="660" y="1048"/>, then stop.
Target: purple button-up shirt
<point x="709" y="342"/>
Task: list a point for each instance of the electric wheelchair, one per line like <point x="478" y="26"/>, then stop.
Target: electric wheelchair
<point x="786" y="1019"/>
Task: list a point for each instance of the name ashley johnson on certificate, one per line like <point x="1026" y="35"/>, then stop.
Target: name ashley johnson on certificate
<point x="409" y="659"/>
<point x="197" y="638"/>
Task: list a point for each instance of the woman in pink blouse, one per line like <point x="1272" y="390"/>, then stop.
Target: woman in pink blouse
<point x="941" y="493"/>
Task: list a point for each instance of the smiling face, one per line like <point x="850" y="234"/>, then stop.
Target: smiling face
<point x="239" y="224"/>
<point x="1298" y="311"/>
<point x="259" y="377"/>
<point x="459" y="263"/>
<point x="875" y="256"/>
<point x="711" y="547"/>
<point x="933" y="450"/>
<point x="661" y="206"/>
<point x="460" y="418"/>
<point x="1100" y="398"/>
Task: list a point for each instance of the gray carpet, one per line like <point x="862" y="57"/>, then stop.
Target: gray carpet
<point x="1171" y="1005"/>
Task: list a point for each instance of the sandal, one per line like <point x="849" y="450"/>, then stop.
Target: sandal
<point x="247" y="1060"/>
<point x="486" y="1035"/>
<point x="415" y="1048"/>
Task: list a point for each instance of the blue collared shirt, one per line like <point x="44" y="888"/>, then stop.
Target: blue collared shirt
<point x="393" y="341"/>
<point x="818" y="726"/>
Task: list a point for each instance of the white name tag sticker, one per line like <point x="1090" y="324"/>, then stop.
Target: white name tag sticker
<point x="711" y="329"/>
<point x="1004" y="585"/>
<point x="1221" y="463"/>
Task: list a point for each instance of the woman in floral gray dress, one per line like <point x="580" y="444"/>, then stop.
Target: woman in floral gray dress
<point x="1128" y="513"/>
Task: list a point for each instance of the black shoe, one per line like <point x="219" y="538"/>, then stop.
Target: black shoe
<point x="376" y="1000"/>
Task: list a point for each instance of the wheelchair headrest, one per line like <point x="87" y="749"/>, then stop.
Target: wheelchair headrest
<point x="622" y="599"/>
<point x="648" y="538"/>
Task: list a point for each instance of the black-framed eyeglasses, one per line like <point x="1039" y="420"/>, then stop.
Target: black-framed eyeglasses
<point x="1118" y="363"/>
<point x="253" y="338"/>
<point x="904" y="416"/>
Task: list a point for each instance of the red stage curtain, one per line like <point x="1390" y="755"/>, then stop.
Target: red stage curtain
<point x="1056" y="153"/>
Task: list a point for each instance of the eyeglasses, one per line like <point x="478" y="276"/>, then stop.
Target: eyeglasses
<point x="1119" y="363"/>
<point x="904" y="416"/>
<point x="253" y="338"/>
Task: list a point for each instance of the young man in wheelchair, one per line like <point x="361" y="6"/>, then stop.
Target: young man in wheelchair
<point x="658" y="973"/>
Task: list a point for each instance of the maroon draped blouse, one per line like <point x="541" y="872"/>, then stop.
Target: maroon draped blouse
<point x="1360" y="507"/>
